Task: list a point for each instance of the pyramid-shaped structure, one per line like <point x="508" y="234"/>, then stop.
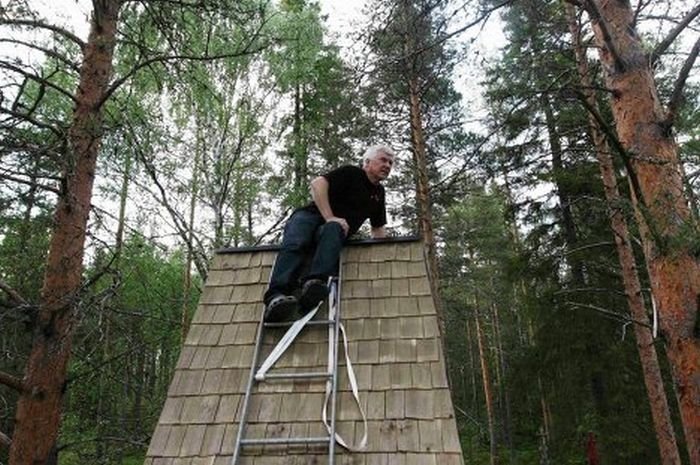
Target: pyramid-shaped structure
<point x="393" y="342"/>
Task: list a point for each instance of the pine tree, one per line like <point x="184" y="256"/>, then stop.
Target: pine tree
<point x="644" y="129"/>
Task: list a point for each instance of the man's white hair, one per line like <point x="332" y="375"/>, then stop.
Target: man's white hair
<point x="374" y="151"/>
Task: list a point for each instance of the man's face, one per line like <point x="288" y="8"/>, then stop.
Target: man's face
<point x="379" y="167"/>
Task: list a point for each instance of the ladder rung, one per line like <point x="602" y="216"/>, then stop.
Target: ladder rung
<point x="268" y="441"/>
<point x="305" y="375"/>
<point x="286" y="324"/>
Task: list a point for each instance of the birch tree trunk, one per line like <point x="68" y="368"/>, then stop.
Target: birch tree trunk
<point x="39" y="407"/>
<point x="187" y="275"/>
<point x="299" y="148"/>
<point x="643" y="130"/>
<point x="645" y="342"/>
<point x="121" y="221"/>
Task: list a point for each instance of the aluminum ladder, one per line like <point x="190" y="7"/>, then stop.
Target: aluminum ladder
<point x="331" y="375"/>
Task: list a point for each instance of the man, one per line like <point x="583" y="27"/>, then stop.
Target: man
<point x="342" y="200"/>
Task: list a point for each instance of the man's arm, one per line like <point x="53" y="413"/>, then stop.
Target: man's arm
<point x="319" y="194"/>
<point x="379" y="233"/>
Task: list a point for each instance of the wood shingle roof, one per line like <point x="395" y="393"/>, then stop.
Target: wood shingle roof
<point x="393" y="344"/>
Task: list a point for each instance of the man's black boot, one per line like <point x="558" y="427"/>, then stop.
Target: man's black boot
<point x="280" y="308"/>
<point x="313" y="293"/>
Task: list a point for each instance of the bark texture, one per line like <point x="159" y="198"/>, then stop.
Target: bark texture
<point x="39" y="407"/>
<point x="656" y="175"/>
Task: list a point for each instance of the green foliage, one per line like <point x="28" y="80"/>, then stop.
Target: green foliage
<point x="317" y="88"/>
<point x="128" y="346"/>
<point x="408" y="45"/>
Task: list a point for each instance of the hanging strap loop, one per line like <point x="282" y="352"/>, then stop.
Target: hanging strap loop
<point x="352" y="379"/>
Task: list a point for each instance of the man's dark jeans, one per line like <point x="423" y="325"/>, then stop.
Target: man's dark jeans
<point x="304" y="231"/>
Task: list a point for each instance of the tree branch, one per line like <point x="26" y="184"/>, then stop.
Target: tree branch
<point x="42" y="25"/>
<point x="93" y="368"/>
<point x="39" y="79"/>
<point x="483" y="16"/>
<point x="641" y="5"/>
<point x="12" y="381"/>
<point x="244" y="51"/>
<point x="179" y="222"/>
<point x="272" y="228"/>
<point x="29" y="183"/>
<point x="609" y="313"/>
<point x="5" y="440"/>
<point x="48" y="52"/>
<point x="164" y="59"/>
<point x="666" y="43"/>
<point x="29" y="119"/>
<point x="592" y="8"/>
<point x="677" y="95"/>
<point x="13" y="294"/>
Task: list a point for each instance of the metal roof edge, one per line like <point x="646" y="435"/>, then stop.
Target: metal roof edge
<point x="350" y="243"/>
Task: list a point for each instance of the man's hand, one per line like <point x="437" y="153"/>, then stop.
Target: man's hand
<point x="379" y="233"/>
<point x="341" y="221"/>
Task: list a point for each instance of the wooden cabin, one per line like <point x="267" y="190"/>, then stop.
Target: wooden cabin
<point x="393" y="343"/>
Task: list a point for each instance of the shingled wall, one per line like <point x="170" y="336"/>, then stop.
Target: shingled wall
<point x="394" y="346"/>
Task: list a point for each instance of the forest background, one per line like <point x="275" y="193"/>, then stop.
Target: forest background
<point x="554" y="183"/>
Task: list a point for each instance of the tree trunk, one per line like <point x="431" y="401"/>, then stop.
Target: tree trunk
<point x="473" y="395"/>
<point x="654" y="164"/>
<point x="250" y="239"/>
<point x="543" y="447"/>
<point x="39" y="408"/>
<point x="136" y="419"/>
<point x="25" y="229"/>
<point x="299" y="149"/>
<point x="567" y="216"/>
<point x="645" y="342"/>
<point x="488" y="390"/>
<point x="187" y="275"/>
<point x="123" y="197"/>
<point x="546" y="415"/>
<point x="425" y="214"/>
<point x="504" y="395"/>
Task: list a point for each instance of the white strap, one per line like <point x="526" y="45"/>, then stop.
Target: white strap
<point x="285" y="342"/>
<point x="332" y="347"/>
<point x="355" y="392"/>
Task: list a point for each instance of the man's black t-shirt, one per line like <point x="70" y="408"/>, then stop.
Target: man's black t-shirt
<point x="353" y="196"/>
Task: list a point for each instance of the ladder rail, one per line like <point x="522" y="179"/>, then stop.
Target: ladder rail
<point x="336" y="340"/>
<point x="242" y="423"/>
